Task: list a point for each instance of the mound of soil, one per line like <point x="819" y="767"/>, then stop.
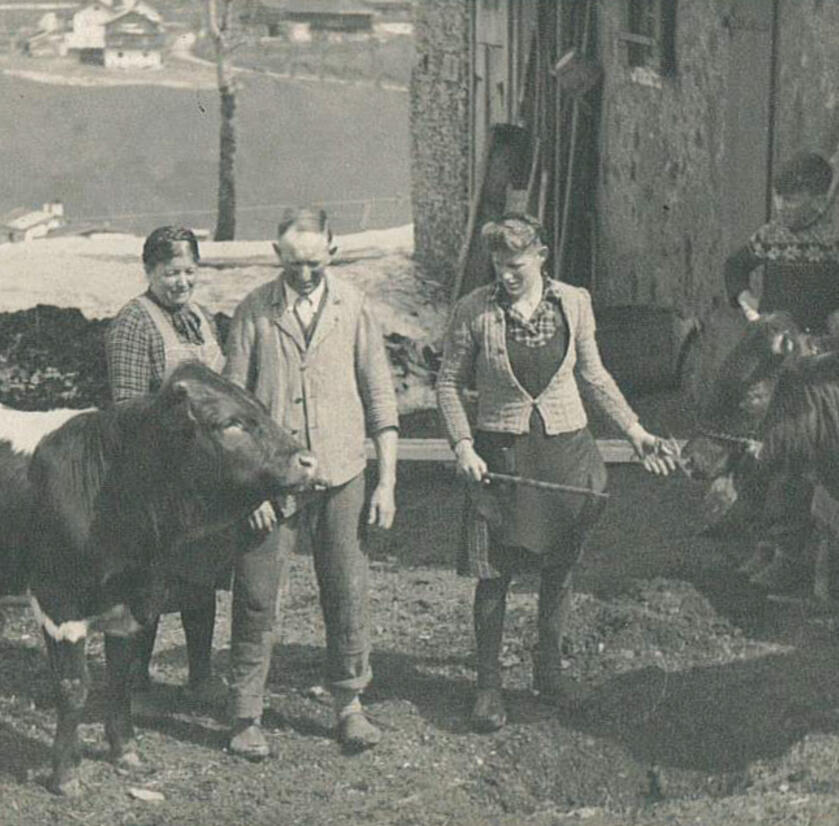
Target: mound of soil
<point x="52" y="357"/>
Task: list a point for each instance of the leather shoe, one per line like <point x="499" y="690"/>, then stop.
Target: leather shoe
<point x="488" y="713"/>
<point x="356" y="733"/>
<point x="248" y="741"/>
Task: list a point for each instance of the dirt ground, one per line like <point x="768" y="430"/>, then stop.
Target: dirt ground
<point x="707" y="702"/>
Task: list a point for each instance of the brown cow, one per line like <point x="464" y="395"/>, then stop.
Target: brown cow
<point x="118" y="495"/>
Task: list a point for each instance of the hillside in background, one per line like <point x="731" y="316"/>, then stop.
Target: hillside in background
<point x="140" y="156"/>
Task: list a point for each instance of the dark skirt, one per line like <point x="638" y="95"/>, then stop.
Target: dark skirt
<point x="512" y="528"/>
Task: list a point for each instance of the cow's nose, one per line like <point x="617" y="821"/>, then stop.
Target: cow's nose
<point x="306" y="460"/>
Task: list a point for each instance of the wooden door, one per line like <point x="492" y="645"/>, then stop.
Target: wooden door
<point x="491" y="83"/>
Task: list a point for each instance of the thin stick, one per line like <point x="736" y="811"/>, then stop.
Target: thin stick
<point x="535" y="483"/>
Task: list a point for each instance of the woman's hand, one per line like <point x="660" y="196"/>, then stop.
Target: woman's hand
<point x="469" y="464"/>
<point x="651" y="450"/>
<point x="263" y="518"/>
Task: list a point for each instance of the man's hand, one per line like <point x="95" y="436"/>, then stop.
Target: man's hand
<point x="263" y="518"/>
<point x="382" y="506"/>
<point x="749" y="304"/>
<point x="654" y="454"/>
<point x="469" y="464"/>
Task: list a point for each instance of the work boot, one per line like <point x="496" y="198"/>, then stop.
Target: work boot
<point x="488" y="713"/>
<point x="247" y="740"/>
<point x="355" y="732"/>
<point x="763" y="555"/>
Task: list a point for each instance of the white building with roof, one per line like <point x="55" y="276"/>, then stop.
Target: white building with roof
<point x="24" y="224"/>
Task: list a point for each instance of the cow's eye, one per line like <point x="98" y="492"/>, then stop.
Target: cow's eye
<point x="232" y="426"/>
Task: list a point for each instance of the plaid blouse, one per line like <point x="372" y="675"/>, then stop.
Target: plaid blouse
<point x="135" y="352"/>
<point x="541" y="327"/>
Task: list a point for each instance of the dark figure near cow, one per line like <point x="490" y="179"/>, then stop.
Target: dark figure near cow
<point x="799" y="251"/>
<point x="773" y="425"/>
<point x="119" y="496"/>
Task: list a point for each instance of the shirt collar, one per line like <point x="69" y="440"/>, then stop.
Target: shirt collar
<point x="285" y="290"/>
<point x="550" y="292"/>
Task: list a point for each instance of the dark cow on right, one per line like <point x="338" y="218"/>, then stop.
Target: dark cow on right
<point x="770" y="427"/>
<point x="117" y="498"/>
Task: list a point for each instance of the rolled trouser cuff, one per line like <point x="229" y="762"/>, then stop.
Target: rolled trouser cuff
<point x="354" y="684"/>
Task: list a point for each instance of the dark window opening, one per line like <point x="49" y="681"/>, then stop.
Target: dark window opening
<point x="651" y="35"/>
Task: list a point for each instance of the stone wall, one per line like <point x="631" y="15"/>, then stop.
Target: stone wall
<point x="659" y="221"/>
<point x="440" y="133"/>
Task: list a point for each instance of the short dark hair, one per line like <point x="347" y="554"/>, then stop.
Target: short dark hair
<point x="804" y="172"/>
<point x="159" y="245"/>
<point x="513" y="232"/>
<point x="305" y="219"/>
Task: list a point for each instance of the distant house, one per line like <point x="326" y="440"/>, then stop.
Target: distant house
<point x="134" y="39"/>
<point x="48" y="39"/>
<point x="264" y="14"/>
<point x="87" y="38"/>
<point x="23" y="224"/>
<point x="392" y="9"/>
<point x="116" y="35"/>
<point x="329" y="15"/>
<point x="21" y="19"/>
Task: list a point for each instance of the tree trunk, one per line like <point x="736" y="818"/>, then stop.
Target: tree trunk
<point x="226" y="219"/>
<point x="219" y="20"/>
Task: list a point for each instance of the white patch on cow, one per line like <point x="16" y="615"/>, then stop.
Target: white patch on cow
<point x="117" y="621"/>
<point x="25" y="428"/>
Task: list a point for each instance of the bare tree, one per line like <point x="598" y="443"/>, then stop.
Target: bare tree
<point x="219" y="16"/>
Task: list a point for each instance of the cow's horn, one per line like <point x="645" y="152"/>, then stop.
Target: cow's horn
<point x="782" y="344"/>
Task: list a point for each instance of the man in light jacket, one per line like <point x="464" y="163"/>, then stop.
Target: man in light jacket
<point x="308" y="346"/>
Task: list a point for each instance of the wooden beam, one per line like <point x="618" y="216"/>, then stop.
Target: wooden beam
<point x="613" y="451"/>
